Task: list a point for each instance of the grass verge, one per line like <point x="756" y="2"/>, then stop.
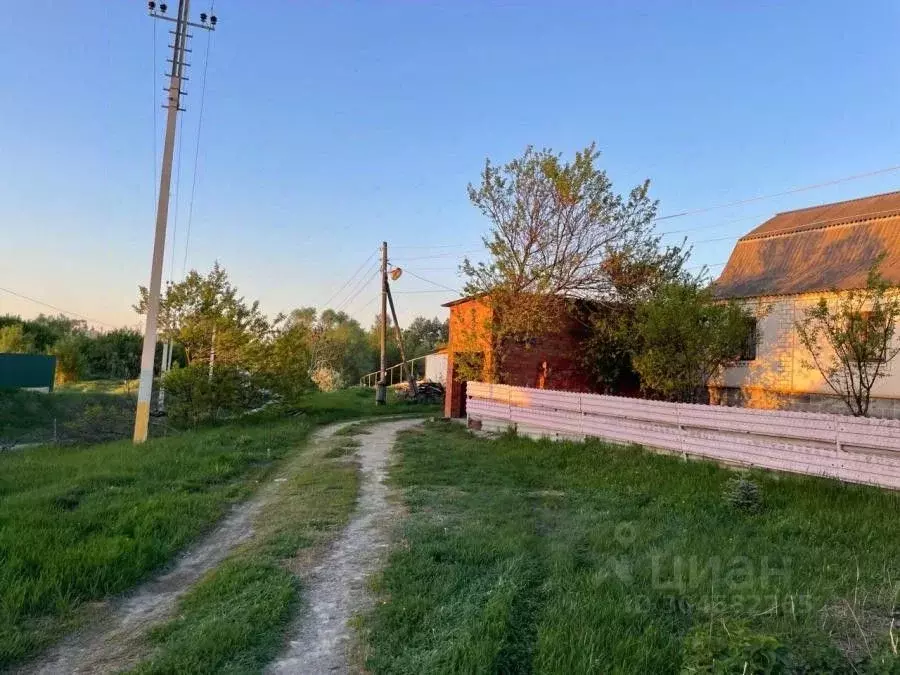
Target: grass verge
<point x="84" y="523"/>
<point x="523" y="556"/>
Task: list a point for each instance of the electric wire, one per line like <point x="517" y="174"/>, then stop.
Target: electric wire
<point x="350" y="280"/>
<point x="741" y="202"/>
<point x="187" y="237"/>
<point x="54" y="307"/>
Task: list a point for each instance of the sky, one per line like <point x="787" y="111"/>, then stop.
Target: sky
<point x="328" y="127"/>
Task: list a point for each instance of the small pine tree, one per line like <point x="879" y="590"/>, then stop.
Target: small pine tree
<point x="743" y="494"/>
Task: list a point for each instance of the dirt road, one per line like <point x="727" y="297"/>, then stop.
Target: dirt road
<point x="336" y="589"/>
<point x="116" y="640"/>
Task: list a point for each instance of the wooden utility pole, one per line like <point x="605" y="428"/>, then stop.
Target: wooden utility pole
<point x="381" y="387"/>
<point x="399" y="335"/>
<point x="148" y="354"/>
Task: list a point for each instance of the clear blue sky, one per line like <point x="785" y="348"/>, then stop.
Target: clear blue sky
<point x="329" y="126"/>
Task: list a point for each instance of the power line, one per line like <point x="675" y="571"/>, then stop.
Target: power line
<point x="359" y="288"/>
<point x="54" y="307"/>
<point x="442" y="255"/>
<point x="813" y="224"/>
<point x="431" y="246"/>
<point x="350" y="280"/>
<point x="436" y="290"/>
<point x="433" y="283"/>
<point x="187" y="236"/>
<point x="792" y="191"/>
<point x="369" y="302"/>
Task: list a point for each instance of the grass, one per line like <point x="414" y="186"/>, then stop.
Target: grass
<point x="99" y="387"/>
<point x="83" y="523"/>
<point x="65" y="416"/>
<point x="523" y="556"/>
<point x="234" y="620"/>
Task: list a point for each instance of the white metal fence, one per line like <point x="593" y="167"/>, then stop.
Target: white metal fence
<point x="852" y="449"/>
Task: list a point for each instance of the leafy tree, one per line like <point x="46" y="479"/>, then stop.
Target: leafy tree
<point x="634" y="277"/>
<point x="202" y="309"/>
<point x="685" y="338"/>
<point x="424" y="336"/>
<point x="287" y="361"/>
<point x="193" y="397"/>
<point x="46" y="331"/>
<point x="557" y="227"/>
<point x="13" y="340"/>
<point x="113" y="355"/>
<point x="851" y="339"/>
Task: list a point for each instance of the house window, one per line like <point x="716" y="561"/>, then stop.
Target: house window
<point x="748" y="349"/>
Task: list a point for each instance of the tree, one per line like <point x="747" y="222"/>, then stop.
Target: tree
<point x="113" y="355"/>
<point x="424" y="336"/>
<point x="851" y="340"/>
<point x="635" y="277"/>
<point x="13" y="340"/>
<point x="685" y="338"/>
<point x="558" y="227"/>
<point x="287" y="363"/>
<point x="202" y="310"/>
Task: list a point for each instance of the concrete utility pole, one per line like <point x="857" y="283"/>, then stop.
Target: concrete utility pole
<point x="381" y="387"/>
<point x="148" y="355"/>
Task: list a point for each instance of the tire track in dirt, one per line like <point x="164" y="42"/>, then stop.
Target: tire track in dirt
<point x="117" y="639"/>
<point x="335" y="591"/>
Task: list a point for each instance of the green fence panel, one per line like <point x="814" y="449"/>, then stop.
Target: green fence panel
<point x="21" y="371"/>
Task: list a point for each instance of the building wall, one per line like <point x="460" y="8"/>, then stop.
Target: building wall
<point x="470" y="333"/>
<point x="436" y="368"/>
<point x="779" y="377"/>
<point x="548" y="362"/>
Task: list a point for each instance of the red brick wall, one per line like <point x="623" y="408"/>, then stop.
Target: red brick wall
<point x="561" y="350"/>
<point x="469" y="333"/>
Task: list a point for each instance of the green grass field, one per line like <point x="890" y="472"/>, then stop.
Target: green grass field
<point x="522" y="556"/>
<point x="85" y="522"/>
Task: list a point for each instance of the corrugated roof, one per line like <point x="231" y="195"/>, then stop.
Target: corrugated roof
<point x="820" y="248"/>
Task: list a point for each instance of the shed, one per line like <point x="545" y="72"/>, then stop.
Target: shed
<point x="436" y="366"/>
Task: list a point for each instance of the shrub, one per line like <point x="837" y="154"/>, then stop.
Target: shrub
<point x="328" y="379"/>
<point x="743" y="494"/>
<point x="192" y="397"/>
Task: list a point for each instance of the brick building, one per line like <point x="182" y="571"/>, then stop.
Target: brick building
<point x="783" y="267"/>
<point x="551" y="361"/>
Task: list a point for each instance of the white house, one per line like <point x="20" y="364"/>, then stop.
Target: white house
<point x="784" y="266"/>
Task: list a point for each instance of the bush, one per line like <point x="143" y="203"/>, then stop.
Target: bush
<point x="328" y="379"/>
<point x="192" y="397"/>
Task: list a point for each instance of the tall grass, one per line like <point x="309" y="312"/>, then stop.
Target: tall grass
<point x="522" y="556"/>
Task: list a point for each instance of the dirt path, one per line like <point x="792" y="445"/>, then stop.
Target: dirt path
<point x="336" y="588"/>
<point x="116" y="640"/>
